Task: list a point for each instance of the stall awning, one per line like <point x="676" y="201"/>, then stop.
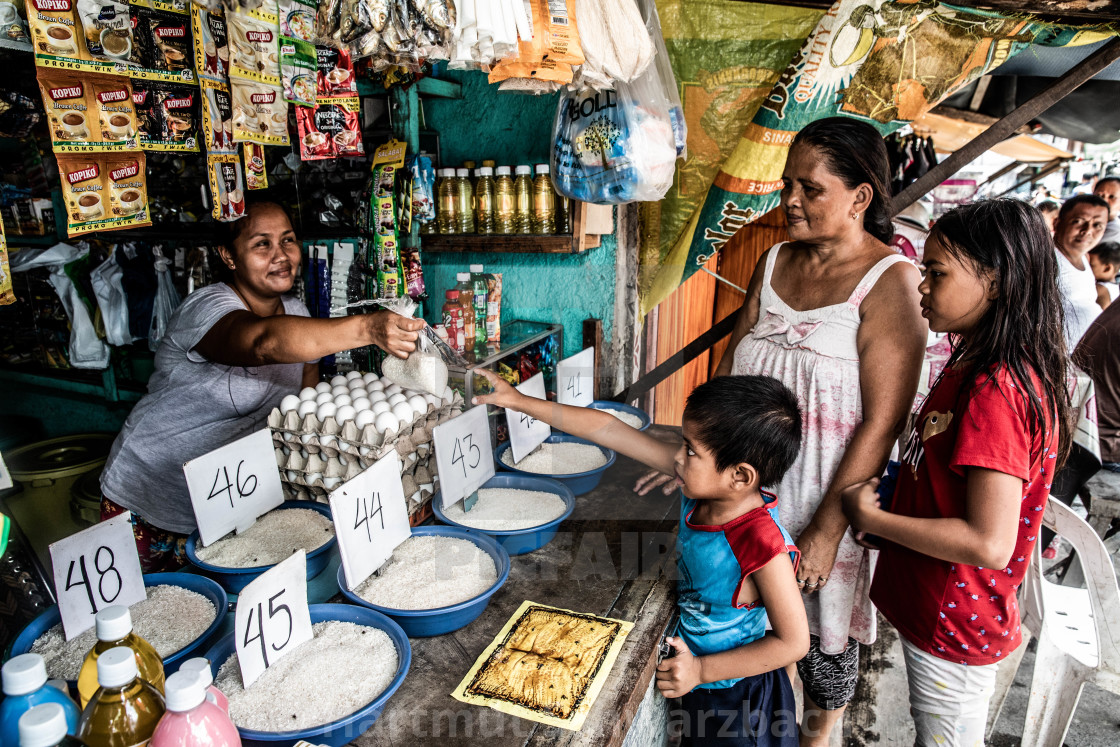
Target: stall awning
<point x="950" y="134"/>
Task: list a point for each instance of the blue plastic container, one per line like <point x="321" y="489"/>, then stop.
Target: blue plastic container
<point x="440" y="620"/>
<point x="519" y="541"/>
<point x="190" y="581"/>
<point x="602" y="404"/>
<point x="236" y="579"/>
<point x="14" y="706"/>
<point x="578" y="482"/>
<point x="348" y="728"/>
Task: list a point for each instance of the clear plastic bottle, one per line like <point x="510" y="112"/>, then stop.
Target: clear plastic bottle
<point x="464" y="201"/>
<point x="505" y="205"/>
<point x="523" y="200"/>
<point x="206" y="672"/>
<point x="484" y="200"/>
<point x="114" y="628"/>
<point x="125" y="709"/>
<point x="481" y="289"/>
<point x="446" y="202"/>
<point x="25" y="687"/>
<point x="466" y="302"/>
<point x="563" y="214"/>
<point x="45" y="725"/>
<point x="192" y="720"/>
<point x="544" y="202"/>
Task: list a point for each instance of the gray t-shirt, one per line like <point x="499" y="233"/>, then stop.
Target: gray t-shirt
<point x="1111" y="231"/>
<point x="193" y="406"/>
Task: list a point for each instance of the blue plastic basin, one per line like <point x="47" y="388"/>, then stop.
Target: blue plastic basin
<point x="190" y="581"/>
<point x="578" y="482"/>
<point x="602" y="404"/>
<point x="348" y="728"/>
<point x="519" y="541"/>
<point x="236" y="579"/>
<point x="440" y="620"/>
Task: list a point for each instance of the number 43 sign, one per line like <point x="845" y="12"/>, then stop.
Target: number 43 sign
<point x="463" y="455"/>
<point x="272" y="617"/>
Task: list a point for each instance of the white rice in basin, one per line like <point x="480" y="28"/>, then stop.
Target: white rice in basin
<point x="170" y="618"/>
<point x="274" y="537"/>
<point x="629" y="418"/>
<point x="560" y="458"/>
<point x="342" y="669"/>
<point x="427" y="572"/>
<point x="506" y="509"/>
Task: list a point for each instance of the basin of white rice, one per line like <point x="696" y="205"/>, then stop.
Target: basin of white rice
<point x="629" y="418"/>
<point x="508" y="509"/>
<point x="560" y="458"/>
<point x="272" y="538"/>
<point x="426" y="572"/>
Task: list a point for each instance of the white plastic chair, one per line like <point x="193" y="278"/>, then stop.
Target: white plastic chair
<point x="1078" y="630"/>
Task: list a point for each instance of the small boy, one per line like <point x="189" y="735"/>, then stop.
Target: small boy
<point x="736" y="562"/>
<point x="1104" y="259"/>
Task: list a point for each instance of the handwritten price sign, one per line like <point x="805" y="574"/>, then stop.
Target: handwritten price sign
<point x="272" y="617"/>
<point x="464" y="456"/>
<point x="233" y="485"/>
<point x="96" y="568"/>
<point x="370" y="518"/>
<point x="575" y="379"/>
<point x="526" y="433"/>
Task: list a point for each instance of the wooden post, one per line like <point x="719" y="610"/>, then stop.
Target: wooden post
<point x="593" y="338"/>
<point x="1050" y="168"/>
<point x="1006" y="126"/>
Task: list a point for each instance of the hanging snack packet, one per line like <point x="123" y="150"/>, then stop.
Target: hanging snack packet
<point x="128" y="192"/>
<point x="423" y="188"/>
<point x="87" y="112"/>
<point x="254" y="47"/>
<point x="143" y="54"/>
<point x="55" y="30"/>
<point x="256" y="177"/>
<point x="178" y="109"/>
<point x="7" y="295"/>
<point x="106" y="29"/>
<point x="149" y="123"/>
<point x="494" y="307"/>
<point x="103" y="192"/>
<point x="227" y="186"/>
<point x="116" y="114"/>
<point x="297" y="19"/>
<point x="551" y="50"/>
<point x="330" y="130"/>
<point x="211" y="44"/>
<point x="172" y="49"/>
<point x="413" y="274"/>
<point x="336" y="72"/>
<point x="260" y="114"/>
<point x="217" y="116"/>
<point x="298" y="69"/>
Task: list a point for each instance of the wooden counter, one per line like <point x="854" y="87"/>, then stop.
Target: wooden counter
<point x="613" y="557"/>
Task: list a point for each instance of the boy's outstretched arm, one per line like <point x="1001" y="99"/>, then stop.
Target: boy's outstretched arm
<point x="594" y="425"/>
<point x="786" y="643"/>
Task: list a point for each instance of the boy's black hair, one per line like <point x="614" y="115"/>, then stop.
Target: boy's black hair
<point x="752" y="419"/>
<point x="1107" y="252"/>
<point x="1049" y="206"/>
<point x="1107" y="180"/>
<point x="1076" y="200"/>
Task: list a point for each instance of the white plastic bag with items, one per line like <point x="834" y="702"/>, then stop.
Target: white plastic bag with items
<point x="665" y="77"/>
<point x="111" y="300"/>
<point x="426" y="368"/>
<point x="167" y="299"/>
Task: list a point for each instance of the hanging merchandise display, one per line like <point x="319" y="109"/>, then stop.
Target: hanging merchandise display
<point x="552" y="49"/>
<point x="911" y="156"/>
<point x="256" y="176"/>
<point x="7" y="296"/>
<point x="104" y="191"/>
<point x="260" y="112"/>
<point x="87" y="112"/>
<point x="227" y="185"/>
<point x="615" y="42"/>
<point x="393" y="32"/>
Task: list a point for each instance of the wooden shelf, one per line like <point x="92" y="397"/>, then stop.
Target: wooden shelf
<point x="531" y="244"/>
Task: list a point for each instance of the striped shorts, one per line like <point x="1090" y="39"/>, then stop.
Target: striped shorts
<point x="829" y="680"/>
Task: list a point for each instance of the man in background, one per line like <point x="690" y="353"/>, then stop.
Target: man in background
<point x="1108" y="189"/>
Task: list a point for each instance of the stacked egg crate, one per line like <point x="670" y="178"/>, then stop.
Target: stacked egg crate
<point x="321" y="443"/>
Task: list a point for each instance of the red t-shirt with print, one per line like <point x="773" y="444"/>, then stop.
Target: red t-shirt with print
<point x="960" y="613"/>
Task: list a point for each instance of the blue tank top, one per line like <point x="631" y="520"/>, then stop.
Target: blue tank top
<point x="713" y="561"/>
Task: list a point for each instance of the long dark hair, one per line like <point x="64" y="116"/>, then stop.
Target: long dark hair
<point x="854" y="152"/>
<point x="1023" y="328"/>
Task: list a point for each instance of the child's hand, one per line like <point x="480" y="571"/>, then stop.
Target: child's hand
<point x="680" y="673"/>
<point x="860" y="502"/>
<point x="503" y="395"/>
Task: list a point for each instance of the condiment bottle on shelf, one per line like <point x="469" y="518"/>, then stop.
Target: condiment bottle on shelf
<point x="202" y="666"/>
<point x="125" y="709"/>
<point x="447" y="200"/>
<point x="505" y="205"/>
<point x="191" y="719"/>
<point x="481" y="289"/>
<point x="114" y="628"/>
<point x="484" y="201"/>
<point x="453" y="320"/>
<point x="544" y="202"/>
<point x="563" y="214"/>
<point x="464" y="202"/>
<point x="466" y="302"/>
<point x="45" y="725"/>
<point x="523" y="200"/>
<point x="24" y="679"/>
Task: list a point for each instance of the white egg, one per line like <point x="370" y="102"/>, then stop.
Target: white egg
<point x="344" y="414"/>
<point x="338" y="380"/>
<point x="432" y="399"/>
<point x="322" y="397"/>
<point x="375" y="386"/>
<point x="419" y="404"/>
<point x="330" y="483"/>
<point x="313" y="476"/>
<point x="292" y="476"/>
<point x="386" y="421"/>
<point x="364" y="418"/>
<point x="322" y="386"/>
<point x="361" y="403"/>
<point x="447" y="394"/>
<point x="351" y="375"/>
<point x="355" y="384"/>
<point x="342" y="460"/>
<point x="308" y="392"/>
<point x="342" y="399"/>
<point x="307" y="438"/>
<point x="326" y="440"/>
<point x="303" y="453"/>
<point x="396" y="399"/>
<point x="379" y="407"/>
<point x="392" y="388"/>
<point x="369" y="377"/>
<point x="306" y="408"/>
<point x="403" y="412"/>
<point x="289" y="403"/>
<point x="377" y="396"/>
<point x="326" y="410"/>
<point x="339" y="389"/>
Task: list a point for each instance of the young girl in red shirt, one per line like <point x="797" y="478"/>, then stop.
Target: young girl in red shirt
<point x="977" y="467"/>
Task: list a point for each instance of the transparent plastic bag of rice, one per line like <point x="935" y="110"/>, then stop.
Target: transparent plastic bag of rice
<point x="426" y="368"/>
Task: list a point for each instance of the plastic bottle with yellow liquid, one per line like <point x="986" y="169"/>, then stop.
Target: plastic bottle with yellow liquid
<point x="544" y="202"/>
<point x="125" y="710"/>
<point x="523" y="200"/>
<point x="504" y="203"/>
<point x="484" y="201"/>
<point x="114" y="628"/>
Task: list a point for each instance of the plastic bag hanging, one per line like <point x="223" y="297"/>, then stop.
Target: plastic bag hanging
<point x="666" y="79"/>
<point x="111" y="300"/>
<point x="425" y="369"/>
<point x="166" y="301"/>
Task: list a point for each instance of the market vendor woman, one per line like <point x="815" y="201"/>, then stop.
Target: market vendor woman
<point x="232" y="350"/>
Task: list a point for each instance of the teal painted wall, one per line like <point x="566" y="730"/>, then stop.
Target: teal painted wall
<point x="513" y="129"/>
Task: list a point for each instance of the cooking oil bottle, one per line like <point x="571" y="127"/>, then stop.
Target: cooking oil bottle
<point x="484" y="201"/>
<point x="563" y="214"/>
<point x="544" y="202"/>
<point x="464" y="201"/>
<point x="125" y="709"/>
<point x="114" y="628"/>
<point x="504" y="202"/>
<point x="446" y="201"/>
<point x="523" y="200"/>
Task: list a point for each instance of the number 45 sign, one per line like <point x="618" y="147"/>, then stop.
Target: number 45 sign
<point x="272" y="617"/>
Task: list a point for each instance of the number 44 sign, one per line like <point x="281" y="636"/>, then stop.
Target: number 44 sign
<point x="231" y="486"/>
<point x="526" y="433"/>
<point x="272" y="617"/>
<point x="96" y="568"/>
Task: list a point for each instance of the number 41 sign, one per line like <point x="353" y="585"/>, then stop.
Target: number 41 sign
<point x="575" y="379"/>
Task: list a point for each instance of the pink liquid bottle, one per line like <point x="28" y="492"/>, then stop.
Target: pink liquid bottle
<point x="202" y="667"/>
<point x="191" y="719"/>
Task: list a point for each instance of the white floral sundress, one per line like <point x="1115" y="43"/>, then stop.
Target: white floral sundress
<point x="814" y="353"/>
